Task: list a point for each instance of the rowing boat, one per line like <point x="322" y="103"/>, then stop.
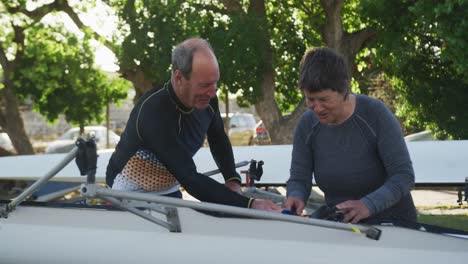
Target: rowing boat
<point x="142" y="228"/>
<point x="94" y="235"/>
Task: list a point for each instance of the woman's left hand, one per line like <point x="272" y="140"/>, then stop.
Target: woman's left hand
<point x="354" y="211"/>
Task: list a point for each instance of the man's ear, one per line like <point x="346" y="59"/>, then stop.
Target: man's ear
<point x="178" y="77"/>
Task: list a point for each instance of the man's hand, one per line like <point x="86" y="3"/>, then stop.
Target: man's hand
<point x="233" y="186"/>
<point x="354" y="210"/>
<point x="265" y="205"/>
<point x="294" y="202"/>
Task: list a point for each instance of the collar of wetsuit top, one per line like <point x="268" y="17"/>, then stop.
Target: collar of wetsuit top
<point x="182" y="108"/>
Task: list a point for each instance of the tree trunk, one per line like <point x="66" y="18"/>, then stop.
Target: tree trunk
<point x="280" y="128"/>
<point x="4" y="152"/>
<point x="336" y="38"/>
<point x="139" y="81"/>
<point x="13" y="121"/>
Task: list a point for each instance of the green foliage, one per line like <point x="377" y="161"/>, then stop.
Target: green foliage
<point x="289" y="43"/>
<point x="424" y="51"/>
<point x="235" y="44"/>
<point x="57" y="74"/>
<point x="151" y="29"/>
<point x="296" y="26"/>
<point x="154" y="27"/>
<point x="447" y="22"/>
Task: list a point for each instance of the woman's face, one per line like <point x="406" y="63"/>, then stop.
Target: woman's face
<point x="327" y="104"/>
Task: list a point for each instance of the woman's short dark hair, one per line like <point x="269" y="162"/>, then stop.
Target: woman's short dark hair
<point x="323" y="69"/>
<point x="182" y="56"/>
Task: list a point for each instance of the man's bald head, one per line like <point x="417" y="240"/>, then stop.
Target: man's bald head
<point x="182" y="56"/>
<point x="195" y="73"/>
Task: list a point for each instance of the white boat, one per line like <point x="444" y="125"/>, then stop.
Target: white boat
<point x="155" y="229"/>
<point x="439" y="163"/>
<point x="64" y="235"/>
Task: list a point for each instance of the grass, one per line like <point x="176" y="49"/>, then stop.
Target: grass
<point x="455" y="221"/>
<point x="459" y="222"/>
<point x="443" y="207"/>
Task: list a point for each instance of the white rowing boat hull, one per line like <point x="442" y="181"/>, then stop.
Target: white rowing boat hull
<point x="70" y="235"/>
<point x="434" y="162"/>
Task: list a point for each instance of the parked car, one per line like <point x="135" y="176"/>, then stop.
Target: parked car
<point x="5" y="142"/>
<point x="241" y="128"/>
<point x="67" y="141"/>
<point x="261" y="136"/>
<point x="421" y="136"/>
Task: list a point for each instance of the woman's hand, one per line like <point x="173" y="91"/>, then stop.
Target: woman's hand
<point x="294" y="202"/>
<point x="354" y="211"/>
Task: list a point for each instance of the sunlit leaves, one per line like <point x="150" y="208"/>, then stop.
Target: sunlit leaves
<point x="57" y="73"/>
<point x="152" y="29"/>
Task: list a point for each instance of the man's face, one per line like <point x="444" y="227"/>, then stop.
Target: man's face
<point x="197" y="91"/>
<point x="327" y="104"/>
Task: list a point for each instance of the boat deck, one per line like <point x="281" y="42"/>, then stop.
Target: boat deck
<point x="100" y="236"/>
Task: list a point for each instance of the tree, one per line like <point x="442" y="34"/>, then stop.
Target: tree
<point x="239" y="35"/>
<point x="424" y="52"/>
<point x="10" y="118"/>
<point x="282" y="31"/>
<point x="259" y="44"/>
<point x="57" y="73"/>
<point x="49" y="66"/>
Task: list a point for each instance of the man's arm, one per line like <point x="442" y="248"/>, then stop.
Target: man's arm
<point x="221" y="147"/>
<point x="159" y="132"/>
<point x="172" y="154"/>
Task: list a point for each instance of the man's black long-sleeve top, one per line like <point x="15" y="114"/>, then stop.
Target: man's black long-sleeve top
<point x="160" y="123"/>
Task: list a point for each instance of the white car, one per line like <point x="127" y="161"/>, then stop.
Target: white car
<point x="5" y="142"/>
<point x="241" y="128"/>
<point x="67" y="141"/>
<point x="421" y="136"/>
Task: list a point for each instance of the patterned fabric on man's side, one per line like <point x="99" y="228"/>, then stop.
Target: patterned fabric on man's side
<point x="148" y="172"/>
